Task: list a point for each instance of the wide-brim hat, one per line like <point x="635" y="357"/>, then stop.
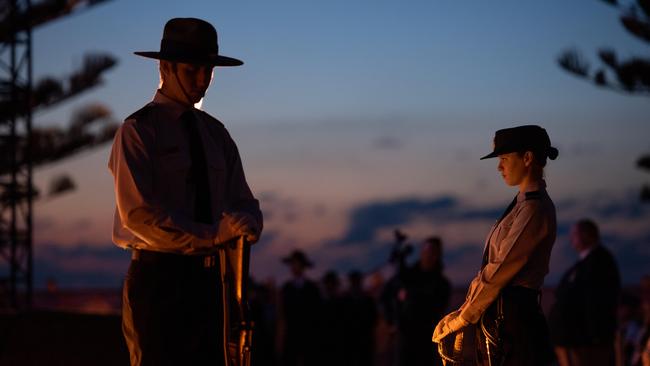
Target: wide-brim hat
<point x="192" y="41"/>
<point x="522" y="138"/>
<point x="297" y="256"/>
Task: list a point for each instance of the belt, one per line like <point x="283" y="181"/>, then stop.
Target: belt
<point x="149" y="256"/>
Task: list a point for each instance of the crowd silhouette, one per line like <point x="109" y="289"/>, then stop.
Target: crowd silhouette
<point x="361" y="319"/>
<point x="307" y="322"/>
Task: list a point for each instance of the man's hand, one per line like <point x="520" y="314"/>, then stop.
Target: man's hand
<point x="451" y="323"/>
<point x="236" y="224"/>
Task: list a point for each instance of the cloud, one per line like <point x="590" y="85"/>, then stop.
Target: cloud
<point x="367" y="218"/>
<point x="364" y="238"/>
<point x="368" y="241"/>
<point x="623" y="220"/>
<point x="90" y="266"/>
<point x="83" y="265"/>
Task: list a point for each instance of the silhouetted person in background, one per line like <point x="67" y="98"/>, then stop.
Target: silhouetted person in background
<point x="424" y="298"/>
<point x="360" y="314"/>
<point x="641" y="352"/>
<point x="503" y="298"/>
<point x="300" y="311"/>
<point x="628" y="327"/>
<point x="263" y="312"/>
<point x="181" y="194"/>
<point x="390" y="304"/>
<point x="583" y="318"/>
<point x="332" y="322"/>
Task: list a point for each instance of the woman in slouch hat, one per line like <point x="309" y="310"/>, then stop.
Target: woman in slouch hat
<point x="501" y="312"/>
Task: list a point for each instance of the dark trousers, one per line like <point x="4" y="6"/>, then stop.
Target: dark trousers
<point x="523" y="333"/>
<point x="172" y="310"/>
<point x="593" y="355"/>
<point x="301" y="349"/>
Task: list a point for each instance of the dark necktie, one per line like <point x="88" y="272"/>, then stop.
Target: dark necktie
<point x="198" y="170"/>
<point x="486" y="253"/>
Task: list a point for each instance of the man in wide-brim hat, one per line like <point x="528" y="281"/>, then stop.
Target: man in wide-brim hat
<point x="300" y="314"/>
<point x="297" y="258"/>
<point x="181" y="195"/>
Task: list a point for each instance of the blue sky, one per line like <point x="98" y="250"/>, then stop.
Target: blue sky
<point x="343" y="105"/>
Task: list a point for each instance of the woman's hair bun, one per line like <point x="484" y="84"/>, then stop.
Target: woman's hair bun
<point x="552" y="153"/>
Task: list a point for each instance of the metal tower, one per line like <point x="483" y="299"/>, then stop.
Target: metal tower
<point x="21" y="147"/>
<point x="15" y="137"/>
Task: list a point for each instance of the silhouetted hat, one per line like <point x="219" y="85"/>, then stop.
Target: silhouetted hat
<point x="522" y="138"/>
<point x="331" y="277"/>
<point x="192" y="41"/>
<point x="298" y="255"/>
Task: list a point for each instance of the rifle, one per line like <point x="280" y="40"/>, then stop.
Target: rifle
<point x="238" y="255"/>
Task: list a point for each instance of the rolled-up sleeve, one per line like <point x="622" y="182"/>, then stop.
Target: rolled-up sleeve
<point x="528" y="230"/>
<point x="138" y="210"/>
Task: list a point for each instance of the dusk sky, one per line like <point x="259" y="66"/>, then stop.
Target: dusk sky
<point x="354" y="118"/>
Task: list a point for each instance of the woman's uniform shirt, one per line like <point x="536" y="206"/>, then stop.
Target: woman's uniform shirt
<point x="518" y="250"/>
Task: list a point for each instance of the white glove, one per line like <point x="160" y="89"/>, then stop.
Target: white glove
<point x="451" y="323"/>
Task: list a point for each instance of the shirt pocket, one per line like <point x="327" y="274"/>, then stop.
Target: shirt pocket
<point x="502" y="233"/>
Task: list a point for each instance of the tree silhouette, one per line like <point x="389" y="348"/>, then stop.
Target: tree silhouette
<point x="23" y="146"/>
<point x="629" y="76"/>
<point x="644" y="163"/>
<point x="89" y="127"/>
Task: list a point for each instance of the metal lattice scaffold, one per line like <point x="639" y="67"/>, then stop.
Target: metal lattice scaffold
<point x="15" y="162"/>
<point x="22" y="147"/>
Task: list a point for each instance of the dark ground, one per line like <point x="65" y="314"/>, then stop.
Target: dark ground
<point x="83" y="327"/>
<point x="61" y="338"/>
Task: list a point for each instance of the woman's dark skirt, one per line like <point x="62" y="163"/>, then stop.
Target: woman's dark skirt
<point x="521" y="332"/>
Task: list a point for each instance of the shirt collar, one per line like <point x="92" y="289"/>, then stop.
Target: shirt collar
<point x="539" y="185"/>
<point x="173" y="108"/>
